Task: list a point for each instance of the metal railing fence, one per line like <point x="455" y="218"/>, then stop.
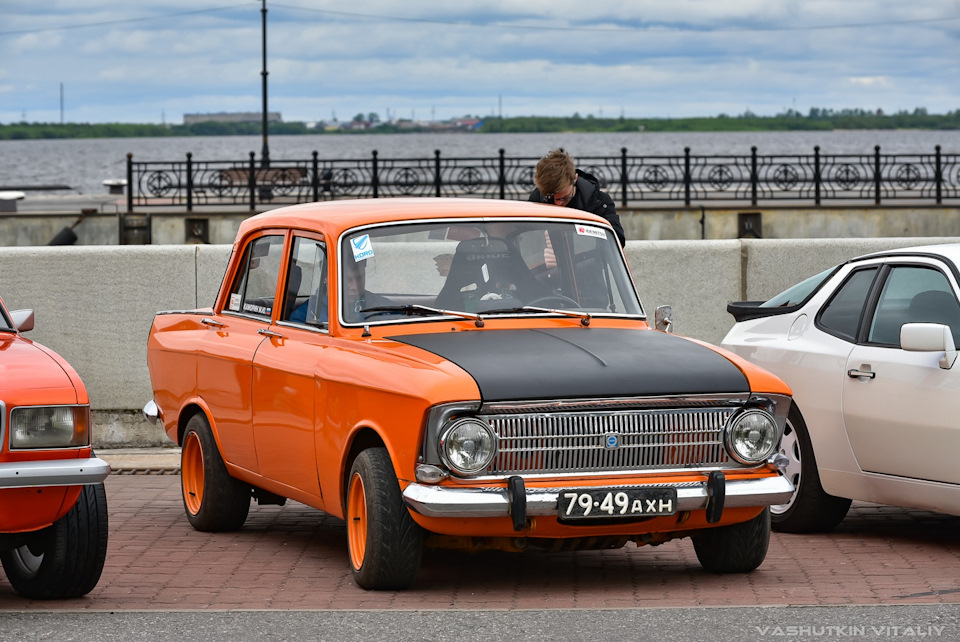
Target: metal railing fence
<point x="806" y="179"/>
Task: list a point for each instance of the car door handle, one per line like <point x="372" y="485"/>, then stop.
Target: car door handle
<point x="853" y="373"/>
<point x="211" y="322"/>
<point x="269" y="333"/>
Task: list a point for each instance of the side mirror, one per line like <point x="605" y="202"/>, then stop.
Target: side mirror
<point x="663" y="318"/>
<point x="22" y="319"/>
<point x="929" y="337"/>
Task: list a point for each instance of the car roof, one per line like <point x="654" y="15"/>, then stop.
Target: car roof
<point x="333" y="217"/>
<point x="950" y="251"/>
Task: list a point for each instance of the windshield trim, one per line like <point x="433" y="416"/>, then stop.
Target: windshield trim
<point x="6" y="322"/>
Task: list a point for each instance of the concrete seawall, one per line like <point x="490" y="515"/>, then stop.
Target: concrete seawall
<point x="39" y="222"/>
<point x="94" y="304"/>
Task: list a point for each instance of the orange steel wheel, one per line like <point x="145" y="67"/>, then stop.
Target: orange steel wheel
<point x="213" y="500"/>
<point x="357" y="521"/>
<point x="385" y="544"/>
<point x="191" y="472"/>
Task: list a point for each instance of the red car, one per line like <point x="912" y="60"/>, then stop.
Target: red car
<point x="53" y="508"/>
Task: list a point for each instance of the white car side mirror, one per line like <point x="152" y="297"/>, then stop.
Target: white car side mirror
<point x="22" y="319"/>
<point x="929" y="337"/>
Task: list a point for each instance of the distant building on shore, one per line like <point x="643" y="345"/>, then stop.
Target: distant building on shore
<point x="232" y="117"/>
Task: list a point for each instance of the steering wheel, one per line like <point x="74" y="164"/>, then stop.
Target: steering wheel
<point x="558" y="300"/>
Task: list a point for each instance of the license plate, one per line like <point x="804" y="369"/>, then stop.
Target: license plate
<point x="593" y="503"/>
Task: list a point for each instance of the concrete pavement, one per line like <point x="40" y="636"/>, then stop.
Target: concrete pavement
<point x="294" y="558"/>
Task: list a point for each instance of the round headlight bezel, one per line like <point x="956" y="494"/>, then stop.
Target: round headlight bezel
<point x="734" y="436"/>
<point x="447" y="440"/>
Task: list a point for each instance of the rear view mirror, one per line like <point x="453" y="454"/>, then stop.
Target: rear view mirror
<point x="22" y="319"/>
<point x="663" y="318"/>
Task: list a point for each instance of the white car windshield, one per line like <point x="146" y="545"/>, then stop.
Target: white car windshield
<point x="485" y="267"/>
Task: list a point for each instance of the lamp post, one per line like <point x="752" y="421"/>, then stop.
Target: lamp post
<point x="265" y="151"/>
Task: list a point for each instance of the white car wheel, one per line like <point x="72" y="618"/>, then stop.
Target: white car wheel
<point x="789" y="448"/>
<point x="811" y="508"/>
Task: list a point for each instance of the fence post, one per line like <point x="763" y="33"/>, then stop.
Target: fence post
<point x="316" y="177"/>
<point x="686" y="176"/>
<point x="816" y="175"/>
<point x="938" y="175"/>
<point x="436" y="171"/>
<point x="753" y="175"/>
<point x="375" y="177"/>
<point x="189" y="181"/>
<point x="252" y="182"/>
<point x="129" y="183"/>
<point x="876" y="175"/>
<point x="502" y="179"/>
<point x="623" y="176"/>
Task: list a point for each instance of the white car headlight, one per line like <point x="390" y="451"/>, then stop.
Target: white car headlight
<point x="468" y="446"/>
<point x="752" y="436"/>
<point x="49" y="426"/>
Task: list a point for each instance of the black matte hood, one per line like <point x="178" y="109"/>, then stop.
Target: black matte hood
<point x="576" y="363"/>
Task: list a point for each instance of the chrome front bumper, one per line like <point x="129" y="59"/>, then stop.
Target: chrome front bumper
<point x="53" y="472"/>
<point x="445" y="501"/>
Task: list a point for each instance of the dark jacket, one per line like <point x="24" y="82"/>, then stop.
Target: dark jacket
<point x="589" y="198"/>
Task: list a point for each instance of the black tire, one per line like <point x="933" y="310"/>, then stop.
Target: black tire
<point x="738" y="548"/>
<point x="65" y="559"/>
<point x="213" y="500"/>
<point x="811" y="509"/>
<point x="385" y="545"/>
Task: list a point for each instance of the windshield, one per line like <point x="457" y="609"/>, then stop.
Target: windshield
<point x="800" y="292"/>
<point x="487" y="267"/>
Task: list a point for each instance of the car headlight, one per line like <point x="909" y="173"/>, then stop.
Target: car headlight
<point x="752" y="436"/>
<point x="468" y="446"/>
<point x="49" y="426"/>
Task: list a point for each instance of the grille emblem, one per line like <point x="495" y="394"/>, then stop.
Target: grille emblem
<point x="611" y="440"/>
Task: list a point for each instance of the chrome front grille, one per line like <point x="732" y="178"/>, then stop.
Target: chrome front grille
<point x="531" y="443"/>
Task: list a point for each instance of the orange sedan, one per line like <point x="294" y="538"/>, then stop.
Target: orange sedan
<point x="461" y="373"/>
<point x="53" y="509"/>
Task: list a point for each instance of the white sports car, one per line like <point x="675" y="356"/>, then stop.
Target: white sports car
<point x="869" y="348"/>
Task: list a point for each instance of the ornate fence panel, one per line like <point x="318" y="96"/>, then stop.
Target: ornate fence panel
<point x="948" y="166"/>
<point x="803" y="179"/>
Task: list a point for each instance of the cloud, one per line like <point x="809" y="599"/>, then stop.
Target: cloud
<point x="870" y="81"/>
<point x="548" y="57"/>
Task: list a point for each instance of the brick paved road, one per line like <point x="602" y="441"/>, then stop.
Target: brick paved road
<point x="295" y="558"/>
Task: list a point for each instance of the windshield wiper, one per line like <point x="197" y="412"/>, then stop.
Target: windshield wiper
<point x="423" y="310"/>
<point x="583" y="316"/>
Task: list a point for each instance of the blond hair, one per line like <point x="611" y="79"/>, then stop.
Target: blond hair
<point x="554" y="172"/>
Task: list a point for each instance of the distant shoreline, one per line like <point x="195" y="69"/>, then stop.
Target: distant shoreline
<point x="816" y="120"/>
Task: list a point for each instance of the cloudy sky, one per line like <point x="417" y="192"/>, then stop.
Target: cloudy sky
<point x="152" y="61"/>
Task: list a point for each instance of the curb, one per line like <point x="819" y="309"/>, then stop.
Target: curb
<point x="142" y="461"/>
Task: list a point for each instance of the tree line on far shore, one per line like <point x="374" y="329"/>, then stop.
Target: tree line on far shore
<point x="815" y="119"/>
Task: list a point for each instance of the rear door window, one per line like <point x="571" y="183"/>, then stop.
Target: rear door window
<point x="841" y="315"/>
<point x="255" y="286"/>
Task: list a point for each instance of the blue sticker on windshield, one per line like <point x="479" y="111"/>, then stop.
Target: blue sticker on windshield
<point x="362" y="248"/>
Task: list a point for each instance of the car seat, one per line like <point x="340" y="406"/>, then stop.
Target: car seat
<point x="479" y="266"/>
<point x="293" y="289"/>
<point x="936" y="306"/>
